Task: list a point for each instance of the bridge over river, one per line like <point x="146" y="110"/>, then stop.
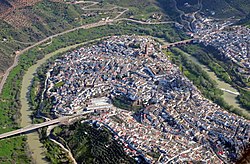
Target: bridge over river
<point x="41" y="125"/>
<point x="168" y="45"/>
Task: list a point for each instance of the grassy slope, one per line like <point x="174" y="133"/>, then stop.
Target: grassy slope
<point x="142" y="8"/>
<point x="89" y="145"/>
<point x="9" y="99"/>
<point x="55" y="18"/>
<point x="46" y="18"/>
<point x="11" y="150"/>
<point x="222" y="8"/>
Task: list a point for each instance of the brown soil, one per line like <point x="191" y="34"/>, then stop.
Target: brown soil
<point x="10" y="5"/>
<point x="11" y="12"/>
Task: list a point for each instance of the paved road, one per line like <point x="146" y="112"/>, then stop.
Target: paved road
<point x="92" y="25"/>
<point x="87" y="26"/>
<point x="41" y="125"/>
<point x="181" y="14"/>
<point x="146" y="23"/>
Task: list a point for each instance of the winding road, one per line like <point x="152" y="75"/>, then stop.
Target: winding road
<point x="86" y="26"/>
<point x="181" y="14"/>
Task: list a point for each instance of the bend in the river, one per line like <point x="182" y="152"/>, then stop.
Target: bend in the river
<point x="34" y="144"/>
<point x="33" y="138"/>
<point x="229" y="92"/>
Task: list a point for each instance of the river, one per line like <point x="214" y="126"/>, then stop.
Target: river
<point x="230" y="98"/>
<point x="33" y="141"/>
<point x="36" y="146"/>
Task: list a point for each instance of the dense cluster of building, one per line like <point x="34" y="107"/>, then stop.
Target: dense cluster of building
<point x="232" y="41"/>
<point x="173" y="123"/>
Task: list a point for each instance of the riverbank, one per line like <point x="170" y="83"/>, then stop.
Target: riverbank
<point x="229" y="92"/>
<point x="34" y="144"/>
<point x="10" y="104"/>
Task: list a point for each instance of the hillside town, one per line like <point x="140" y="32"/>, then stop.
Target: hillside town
<point x="146" y="102"/>
<point x="233" y="42"/>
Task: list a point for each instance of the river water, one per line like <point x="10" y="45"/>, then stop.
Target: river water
<point x="230" y="98"/>
<point x="33" y="141"/>
<point x="36" y="146"/>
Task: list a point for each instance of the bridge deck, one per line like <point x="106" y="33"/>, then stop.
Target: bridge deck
<point x="41" y="125"/>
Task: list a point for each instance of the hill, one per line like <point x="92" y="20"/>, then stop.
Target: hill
<point x="92" y="145"/>
<point x="24" y="22"/>
<point x="217" y="8"/>
<point x="173" y="8"/>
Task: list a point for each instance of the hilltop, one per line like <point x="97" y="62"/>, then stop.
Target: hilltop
<point x="25" y="22"/>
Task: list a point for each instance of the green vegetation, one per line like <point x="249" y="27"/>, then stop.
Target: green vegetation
<point x="205" y="56"/>
<point x="192" y="7"/>
<point x="59" y="84"/>
<point x="143" y="9"/>
<point x="221" y="8"/>
<point x="30" y="57"/>
<point x="225" y="8"/>
<point x="34" y="90"/>
<point x="13" y="149"/>
<point x="245" y="21"/>
<point x="244" y="98"/>
<point x="140" y="9"/>
<point x="46" y="18"/>
<point x="54" y="153"/>
<point x="43" y="19"/>
<point x="201" y="79"/>
<point x="223" y="68"/>
<point x="91" y="145"/>
<point x="124" y="103"/>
